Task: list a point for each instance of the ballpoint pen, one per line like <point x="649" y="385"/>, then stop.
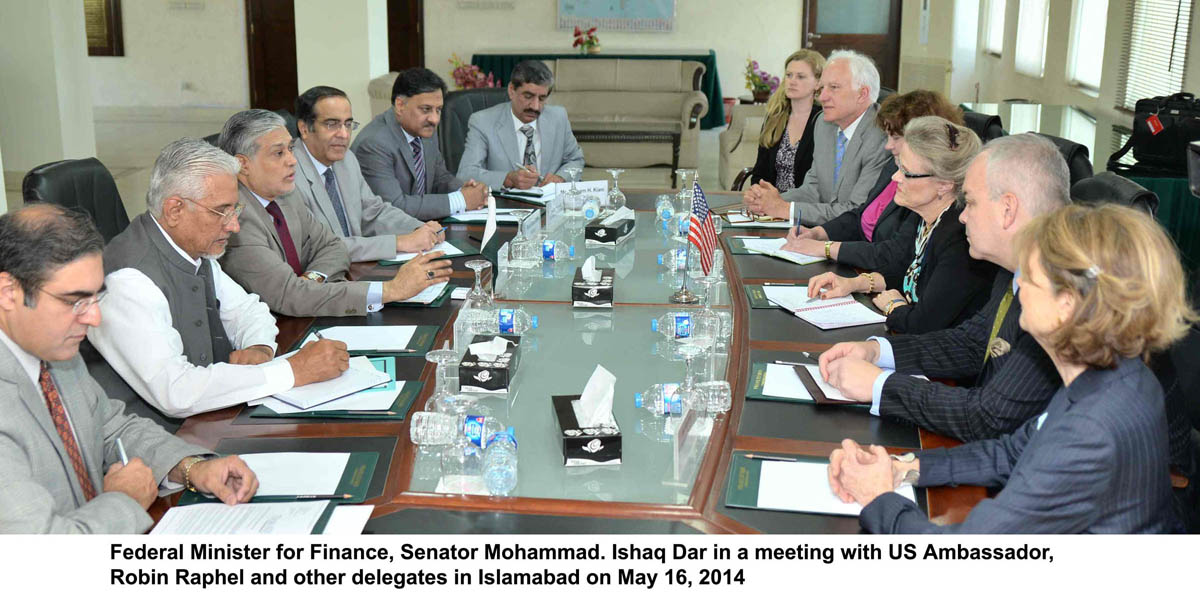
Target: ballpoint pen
<point x="121" y="451"/>
<point x="775" y="458"/>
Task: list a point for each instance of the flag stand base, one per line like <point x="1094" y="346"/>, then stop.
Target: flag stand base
<point x="684" y="297"/>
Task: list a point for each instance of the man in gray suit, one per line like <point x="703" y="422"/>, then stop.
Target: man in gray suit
<point x="282" y="253"/>
<point x="332" y="186"/>
<point x="399" y="156"/>
<point x="59" y="458"/>
<point x="848" y="147"/>
<point x="511" y="144"/>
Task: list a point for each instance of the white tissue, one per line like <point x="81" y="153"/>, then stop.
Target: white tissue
<point x="488" y="350"/>
<point x="595" y="405"/>
<point x="618" y="215"/>
<point x="590" y="273"/>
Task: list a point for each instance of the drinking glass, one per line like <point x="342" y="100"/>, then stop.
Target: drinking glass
<point x="616" y="198"/>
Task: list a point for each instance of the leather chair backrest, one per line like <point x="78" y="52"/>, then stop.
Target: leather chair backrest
<point x="459" y="105"/>
<point x="987" y="127"/>
<point x="1079" y="164"/>
<point x="82" y="184"/>
<point x="288" y="118"/>
<point x="884" y="93"/>
<point x="1108" y="187"/>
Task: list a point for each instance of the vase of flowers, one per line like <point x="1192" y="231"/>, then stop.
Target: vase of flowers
<point x="586" y="41"/>
<point x="760" y="83"/>
<point x="467" y="76"/>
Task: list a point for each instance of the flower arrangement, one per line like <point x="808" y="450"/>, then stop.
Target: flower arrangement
<point x="758" y="81"/>
<point x="467" y="76"/>
<point x="586" y="41"/>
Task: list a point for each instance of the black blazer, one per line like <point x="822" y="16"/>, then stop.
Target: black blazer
<point x="764" y="167"/>
<point x="894" y="235"/>
<point x="1007" y="391"/>
<point x="952" y="286"/>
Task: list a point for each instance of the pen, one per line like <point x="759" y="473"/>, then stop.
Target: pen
<point x="340" y="496"/>
<point x="775" y="458"/>
<point x="370" y="412"/>
<point x="787" y="363"/>
<point x="388" y="350"/>
<point x="319" y="335"/>
<point x="440" y="231"/>
<point x="121" y="451"/>
<point x="781" y="284"/>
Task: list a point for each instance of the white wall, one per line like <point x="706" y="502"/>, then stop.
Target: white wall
<point x="342" y="52"/>
<point x="765" y="30"/>
<point x="167" y="49"/>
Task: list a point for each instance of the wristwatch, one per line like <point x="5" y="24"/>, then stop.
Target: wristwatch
<point x="910" y="477"/>
<point x="315" y="277"/>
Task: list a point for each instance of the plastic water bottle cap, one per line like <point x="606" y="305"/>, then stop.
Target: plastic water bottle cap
<point x="654" y="325"/>
<point x="637" y="400"/>
<point x="533" y="321"/>
<point x="571" y="251"/>
<point x="660" y="259"/>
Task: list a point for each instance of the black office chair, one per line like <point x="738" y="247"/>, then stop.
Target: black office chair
<point x="83" y="184"/>
<point x="288" y="118"/>
<point x="459" y="105"/>
<point x="987" y="127"/>
<point x="1108" y="187"/>
<point x="1078" y="162"/>
<point x="884" y="93"/>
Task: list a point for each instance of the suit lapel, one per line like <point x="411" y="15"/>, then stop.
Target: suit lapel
<point x="513" y="145"/>
<point x="252" y="204"/>
<point x="397" y="130"/>
<point x="316" y="184"/>
<point x="350" y="200"/>
<point x="73" y="397"/>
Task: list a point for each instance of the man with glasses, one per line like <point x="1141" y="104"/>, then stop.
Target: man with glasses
<point x="178" y="330"/>
<point x="71" y="459"/>
<point x="332" y="185"/>
<point x="282" y="251"/>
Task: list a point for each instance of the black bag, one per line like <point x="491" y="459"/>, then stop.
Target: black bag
<point x="1161" y="152"/>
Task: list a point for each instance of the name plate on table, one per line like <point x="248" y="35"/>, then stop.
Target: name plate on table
<point x="597" y="188"/>
<point x="531" y="224"/>
<point x="582" y="446"/>
<point x="593" y="294"/>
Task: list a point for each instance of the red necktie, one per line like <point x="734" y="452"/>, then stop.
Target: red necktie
<point x="59" y="415"/>
<point x="285" y="237"/>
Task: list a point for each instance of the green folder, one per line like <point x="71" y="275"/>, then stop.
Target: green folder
<point x="359" y="468"/>
<point x="440" y="301"/>
<point x="465" y="247"/>
<point x="404" y="400"/>
<point x="421" y="342"/>
<point x="745" y="475"/>
<point x="758" y="297"/>
<point x="737" y="246"/>
<point x="758" y="378"/>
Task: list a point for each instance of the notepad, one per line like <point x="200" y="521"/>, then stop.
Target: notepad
<point x="838" y="312"/>
<point x="368" y="338"/>
<point x="773" y="247"/>
<point x="444" y="246"/>
<point x="782" y="381"/>
<point x="460" y="293"/>
<point x="297" y="473"/>
<point x="273" y="518"/>
<point x="374" y="399"/>
<point x="429" y="295"/>
<point x="356" y="378"/>
<point x="804" y="487"/>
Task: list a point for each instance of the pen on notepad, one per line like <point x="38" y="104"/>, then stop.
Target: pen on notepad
<point x="524" y="168"/>
<point x="440" y="231"/>
<point x="339" y="496"/>
<point x="776" y="458"/>
<point x="787" y="363"/>
<point x="121" y="451"/>
<point x="319" y="335"/>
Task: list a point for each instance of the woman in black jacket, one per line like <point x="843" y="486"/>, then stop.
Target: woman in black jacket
<point x="937" y="284"/>
<point x="785" y="146"/>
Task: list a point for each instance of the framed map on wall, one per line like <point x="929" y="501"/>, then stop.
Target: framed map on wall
<point x="617" y="15"/>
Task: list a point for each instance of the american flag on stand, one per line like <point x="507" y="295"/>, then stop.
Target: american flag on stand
<point x="700" y="231"/>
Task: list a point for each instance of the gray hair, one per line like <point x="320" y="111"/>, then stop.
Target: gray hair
<point x="241" y="133"/>
<point x="182" y="169"/>
<point x="1031" y="168"/>
<point x="531" y="72"/>
<point x="930" y="138"/>
<point x="862" y="70"/>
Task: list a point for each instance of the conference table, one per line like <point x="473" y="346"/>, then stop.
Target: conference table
<point x="665" y="484"/>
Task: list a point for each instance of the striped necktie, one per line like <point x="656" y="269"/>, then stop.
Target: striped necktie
<point x="419" y="162"/>
<point x="58" y="414"/>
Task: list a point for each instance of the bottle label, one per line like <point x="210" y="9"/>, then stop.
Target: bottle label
<point x="548" y="249"/>
<point x="683" y="326"/>
<point x="672" y="402"/>
<point x="680" y="258"/>
<point x="506" y="321"/>
<point x="502" y="436"/>
<point x="473" y="429"/>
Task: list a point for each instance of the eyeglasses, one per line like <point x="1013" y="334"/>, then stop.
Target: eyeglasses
<point x="334" y="125"/>
<point x="80" y="306"/>
<point x="226" y="216"/>
<point x="908" y="175"/>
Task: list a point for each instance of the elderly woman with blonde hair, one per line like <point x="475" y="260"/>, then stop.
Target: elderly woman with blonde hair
<point x="1101" y="289"/>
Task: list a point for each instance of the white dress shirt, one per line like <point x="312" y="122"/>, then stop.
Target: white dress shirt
<point x="137" y="339"/>
<point x="537" y="141"/>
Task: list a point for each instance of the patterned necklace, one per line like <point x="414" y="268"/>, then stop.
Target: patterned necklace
<point x="914" y="268"/>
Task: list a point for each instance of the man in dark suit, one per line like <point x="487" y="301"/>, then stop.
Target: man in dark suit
<point x="333" y="188"/>
<point x="59" y="459"/>
<point x="1004" y="376"/>
<point x="399" y="156"/>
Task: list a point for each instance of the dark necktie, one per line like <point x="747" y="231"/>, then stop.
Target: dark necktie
<point x="332" y="189"/>
<point x="221" y="347"/>
<point x="419" y="162"/>
<point x="59" y="415"/>
<point x="530" y="156"/>
<point x="285" y="237"/>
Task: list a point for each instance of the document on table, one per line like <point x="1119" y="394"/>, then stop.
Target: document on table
<point x="297" y="473"/>
<point x="429" y="295"/>
<point x="804" y="487"/>
<point x="348" y="520"/>
<point x="838" y="312"/>
<point x="773" y="248"/>
<point x="782" y="381"/>
<point x="460" y="293"/>
<point x="356" y="378"/>
<point x="368" y="338"/>
<point x="444" y="246"/>
<point x="480" y="215"/>
<point x="274" y="518"/>
<point x="376" y="398"/>
<point x="538" y="194"/>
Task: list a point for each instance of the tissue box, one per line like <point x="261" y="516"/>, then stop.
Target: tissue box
<point x="476" y="376"/>
<point x="585" y="446"/>
<point x="599" y="294"/>
<point x="610" y="235"/>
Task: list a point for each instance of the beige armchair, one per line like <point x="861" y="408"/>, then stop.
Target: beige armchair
<point x="739" y="142"/>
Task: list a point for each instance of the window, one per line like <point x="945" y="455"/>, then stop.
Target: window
<point x="993" y="37"/>
<point x="1024" y="118"/>
<point x="1080" y="127"/>
<point x="1154" y="48"/>
<point x="1088" y="29"/>
<point x="1031" y="37"/>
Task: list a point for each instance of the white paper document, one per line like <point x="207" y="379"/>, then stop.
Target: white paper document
<point x="782" y="381"/>
<point x="480" y="216"/>
<point x="429" y="295"/>
<point x="356" y="378"/>
<point x="276" y="518"/>
<point x="368" y="338"/>
<point x="773" y="248"/>
<point x="297" y="473"/>
<point x="838" y="312"/>
<point x="459" y="293"/>
<point x="444" y="246"/>
<point x="374" y="399"/>
<point x="348" y="520"/>
<point x="804" y="487"/>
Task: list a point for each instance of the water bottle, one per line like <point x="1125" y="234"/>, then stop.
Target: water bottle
<point x="510" y="321"/>
<point x="525" y="253"/>
<point x="478" y="429"/>
<point x="660" y="400"/>
<point x="673" y="325"/>
<point x="685" y="222"/>
<point x="433" y="428"/>
<point x="467" y="325"/>
<point x="673" y="259"/>
<point x="664" y="208"/>
<point x="500" y="463"/>
<point x="556" y="250"/>
<point x="591" y="208"/>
